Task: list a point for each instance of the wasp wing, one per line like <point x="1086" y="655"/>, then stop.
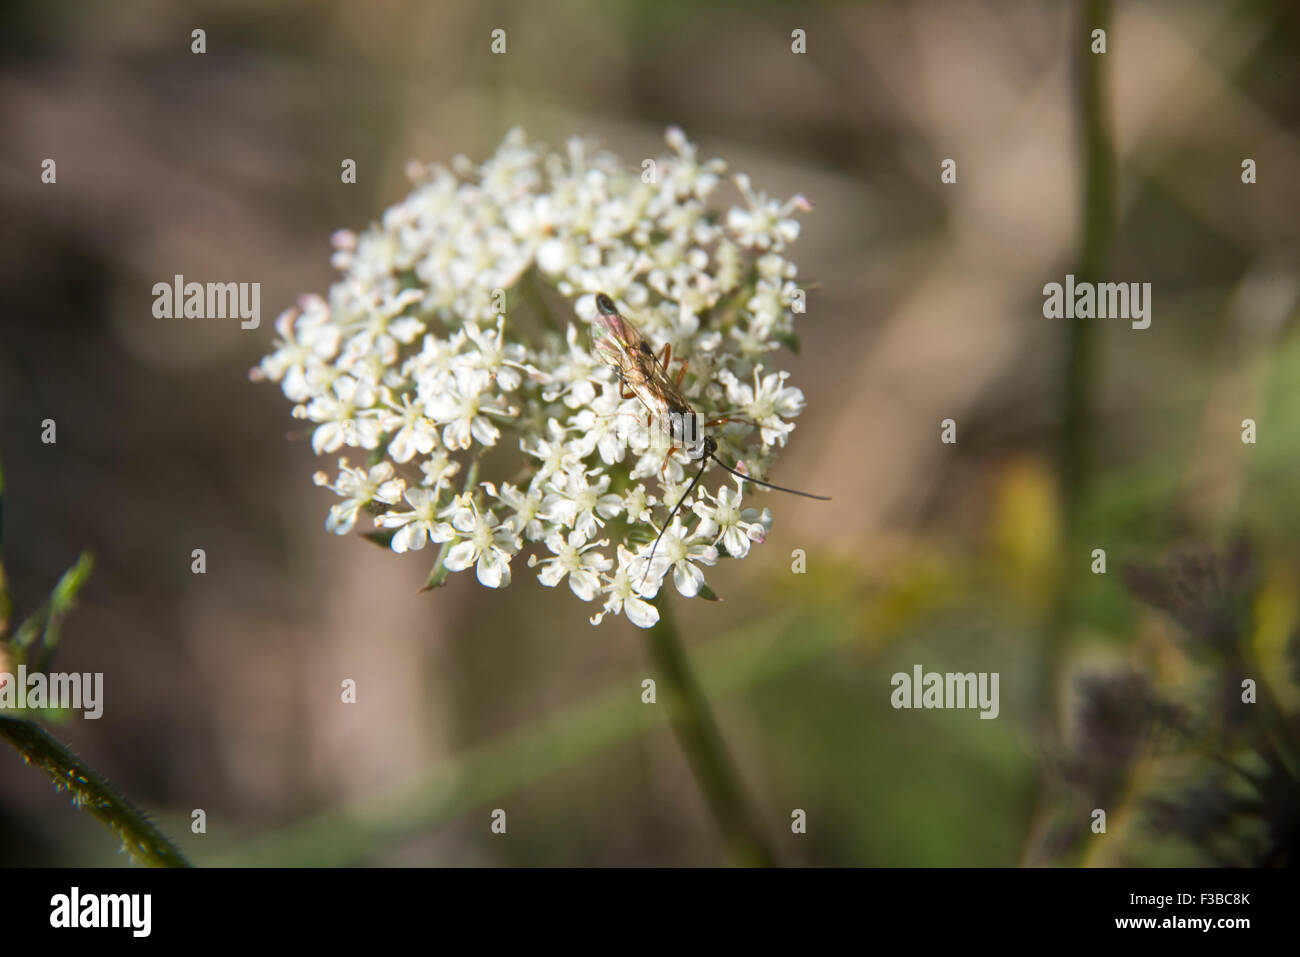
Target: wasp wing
<point x="623" y="348"/>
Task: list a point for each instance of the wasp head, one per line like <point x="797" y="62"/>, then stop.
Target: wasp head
<point x="706" y="448"/>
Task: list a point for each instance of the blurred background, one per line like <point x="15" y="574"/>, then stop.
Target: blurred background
<point x="1119" y="691"/>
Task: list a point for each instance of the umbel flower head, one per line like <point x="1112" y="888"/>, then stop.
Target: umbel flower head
<point x="460" y="334"/>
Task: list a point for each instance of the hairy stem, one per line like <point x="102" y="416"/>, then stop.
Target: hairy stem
<point x="701" y="739"/>
<point x="92" y="793"/>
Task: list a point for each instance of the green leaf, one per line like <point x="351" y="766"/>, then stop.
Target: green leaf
<point x="73" y="580"/>
<point x="438" y="576"/>
<point x="708" y="594"/>
<point x="381" y="537"/>
<point x="47" y="620"/>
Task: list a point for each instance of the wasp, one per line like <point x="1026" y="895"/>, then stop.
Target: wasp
<point x="643" y="375"/>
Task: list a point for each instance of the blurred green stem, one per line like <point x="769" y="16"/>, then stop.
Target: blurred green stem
<point x="1097" y="218"/>
<point x="751" y="655"/>
<point x="1098" y="228"/>
<point x="531" y="289"/>
<point x="698" y="732"/>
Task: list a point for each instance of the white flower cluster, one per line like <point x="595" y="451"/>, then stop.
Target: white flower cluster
<point x="454" y="324"/>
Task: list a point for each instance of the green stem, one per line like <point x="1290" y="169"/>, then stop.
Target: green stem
<point x="92" y="793"/>
<point x="440" y="572"/>
<point x="1098" y="227"/>
<point x="1097" y="231"/>
<point x="701" y="739"/>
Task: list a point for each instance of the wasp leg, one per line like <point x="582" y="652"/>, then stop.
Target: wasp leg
<point x="682" y="375"/>
<point x="614" y="415"/>
<point x="664" y="468"/>
<point x="723" y="420"/>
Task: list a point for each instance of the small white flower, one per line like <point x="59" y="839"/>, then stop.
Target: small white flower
<point x="307" y="341"/>
<point x="525" y="520"/>
<point x="418" y="526"/>
<point x="377" y="326"/>
<point x="621" y="594"/>
<point x="679" y="551"/>
<point x="576" y="559"/>
<point x="359" y="488"/>
<point x="603" y="428"/>
<point x="768" y="402"/>
<point x="503" y="362"/>
<point x="413" y="433"/>
<point x="571" y="375"/>
<point x="430" y="367"/>
<point x="687" y="177"/>
<point x="766" y="224"/>
<point x="553" y="451"/>
<point x="462" y="407"/>
<point x="760" y="523"/>
<point x="345" y="416"/>
<point x="724" y="522"/>
<point x="578" y="504"/>
<point x="637" y="503"/>
<point x="438" y="471"/>
<point x="486" y="544"/>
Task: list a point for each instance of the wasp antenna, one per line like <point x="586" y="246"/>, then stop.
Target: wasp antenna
<point x="669" y="520"/>
<point x="779" y="488"/>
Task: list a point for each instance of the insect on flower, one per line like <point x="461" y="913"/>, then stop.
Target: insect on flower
<point x="644" y="375"/>
<point x="410" y="370"/>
